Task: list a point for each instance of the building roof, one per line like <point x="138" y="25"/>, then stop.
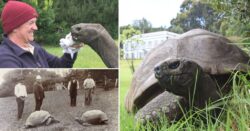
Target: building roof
<point x="156" y="34"/>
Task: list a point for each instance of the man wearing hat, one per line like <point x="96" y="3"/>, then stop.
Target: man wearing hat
<point x="20" y="93"/>
<point x="18" y="49"/>
<point x="38" y="92"/>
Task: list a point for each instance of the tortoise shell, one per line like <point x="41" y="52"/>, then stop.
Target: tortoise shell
<point x="212" y="52"/>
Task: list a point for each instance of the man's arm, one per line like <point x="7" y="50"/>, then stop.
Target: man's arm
<point x="93" y="81"/>
<point x="9" y="61"/>
<point x="69" y="85"/>
<point x="63" y="62"/>
<point x="42" y="91"/>
<point x="35" y="91"/>
<point x="77" y="84"/>
<point x="84" y="83"/>
<point x="16" y="90"/>
<point x="25" y="91"/>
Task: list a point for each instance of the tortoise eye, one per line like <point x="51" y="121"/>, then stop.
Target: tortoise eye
<point x="174" y="65"/>
<point x="78" y="28"/>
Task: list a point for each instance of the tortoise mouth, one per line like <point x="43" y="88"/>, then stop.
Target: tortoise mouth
<point x="174" y="83"/>
<point x="75" y="36"/>
<point x="168" y="78"/>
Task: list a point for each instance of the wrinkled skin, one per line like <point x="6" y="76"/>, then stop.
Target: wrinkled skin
<point x="185" y="78"/>
<point x="165" y="104"/>
<point x="96" y="36"/>
<point x="177" y="76"/>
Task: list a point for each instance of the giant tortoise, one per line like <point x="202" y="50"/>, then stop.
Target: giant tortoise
<point x="92" y="117"/>
<point x="39" y="118"/>
<point x="194" y="66"/>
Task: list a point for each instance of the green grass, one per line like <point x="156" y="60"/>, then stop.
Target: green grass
<point x="235" y="115"/>
<point x="126" y="120"/>
<point x="86" y="58"/>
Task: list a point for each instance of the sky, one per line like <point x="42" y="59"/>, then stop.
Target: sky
<point x="158" y="12"/>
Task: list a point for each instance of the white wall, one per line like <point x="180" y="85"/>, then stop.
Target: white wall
<point x="148" y="41"/>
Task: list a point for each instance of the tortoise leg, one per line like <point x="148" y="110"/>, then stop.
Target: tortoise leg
<point x="26" y="126"/>
<point x="166" y="104"/>
<point x="49" y="120"/>
<point x="86" y="124"/>
<point x="77" y="119"/>
<point x="82" y="122"/>
<point x="55" y="120"/>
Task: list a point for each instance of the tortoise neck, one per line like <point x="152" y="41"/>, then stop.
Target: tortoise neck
<point x="206" y="91"/>
<point x="106" y="48"/>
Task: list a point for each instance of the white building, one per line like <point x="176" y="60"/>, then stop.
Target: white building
<point x="138" y="46"/>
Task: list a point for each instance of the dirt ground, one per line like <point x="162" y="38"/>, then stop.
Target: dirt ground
<point x="58" y="104"/>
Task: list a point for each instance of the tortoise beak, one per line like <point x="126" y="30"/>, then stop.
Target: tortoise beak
<point x="158" y="72"/>
<point x="75" y="29"/>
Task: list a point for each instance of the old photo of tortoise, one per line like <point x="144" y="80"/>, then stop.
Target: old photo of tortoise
<point x="38" y="118"/>
<point x="92" y="117"/>
<point x="198" y="63"/>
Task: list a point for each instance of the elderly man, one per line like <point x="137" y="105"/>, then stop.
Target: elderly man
<point x="72" y="87"/>
<point x="89" y="85"/>
<point x="18" y="49"/>
<point x="21" y="94"/>
<point x="38" y="92"/>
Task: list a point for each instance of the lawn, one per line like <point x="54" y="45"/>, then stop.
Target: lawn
<point x="235" y="115"/>
<point x="87" y="58"/>
<point x="58" y="104"/>
<point x="126" y="120"/>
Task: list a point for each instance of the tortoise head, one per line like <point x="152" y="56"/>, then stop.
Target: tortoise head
<point x="51" y="120"/>
<point x="178" y="76"/>
<point x="85" y="33"/>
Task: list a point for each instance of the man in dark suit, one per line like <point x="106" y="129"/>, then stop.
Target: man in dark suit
<point x="72" y="87"/>
<point x="38" y="92"/>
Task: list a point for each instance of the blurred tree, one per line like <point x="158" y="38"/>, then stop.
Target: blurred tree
<point x="176" y="29"/>
<point x="195" y="14"/>
<point x="29" y="75"/>
<point x="127" y="37"/>
<point x="235" y="14"/>
<point x="143" y="25"/>
<point x="70" y="12"/>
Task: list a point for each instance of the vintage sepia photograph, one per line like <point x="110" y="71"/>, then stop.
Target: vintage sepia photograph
<point x="59" y="99"/>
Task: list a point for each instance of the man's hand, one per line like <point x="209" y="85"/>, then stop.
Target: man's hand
<point x="69" y="46"/>
<point x="22" y="97"/>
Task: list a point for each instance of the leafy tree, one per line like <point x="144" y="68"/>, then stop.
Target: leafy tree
<point x="143" y="25"/>
<point x="195" y="14"/>
<point x="70" y="12"/>
<point x="11" y="78"/>
<point x="161" y="28"/>
<point x="239" y="9"/>
<point x="45" y="21"/>
<point x="127" y="36"/>
<point x="176" y="29"/>
<point x="235" y="14"/>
